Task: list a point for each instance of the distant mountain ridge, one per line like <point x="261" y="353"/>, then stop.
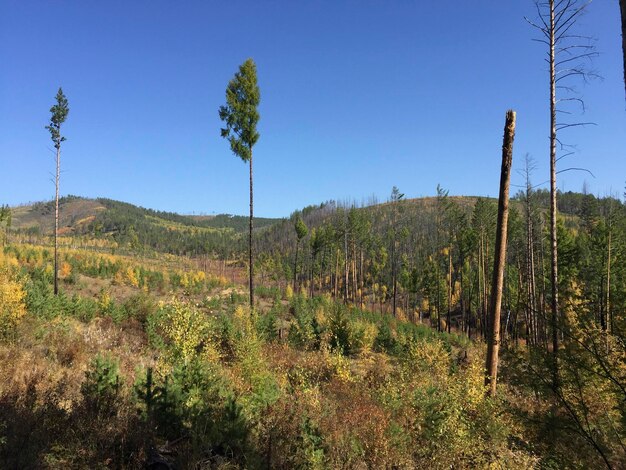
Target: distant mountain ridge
<point x="137" y="227"/>
<point x="76" y="213"/>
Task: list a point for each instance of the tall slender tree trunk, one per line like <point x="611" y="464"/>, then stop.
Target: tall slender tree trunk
<point x="346" y="268"/>
<point x="461" y="297"/>
<point x="448" y="318"/>
<point x="554" y="279"/>
<point x="543" y="305"/>
<point x="393" y="275"/>
<point x="499" y="258"/>
<point x="295" y="268"/>
<point x="530" y="270"/>
<point x="250" y="248"/>
<point x="479" y="289"/>
<point x="361" y="283"/>
<point x="56" y="223"/>
<point x="609" y="316"/>
<point x="336" y="286"/>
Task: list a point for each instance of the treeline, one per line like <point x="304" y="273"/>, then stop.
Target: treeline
<point x="432" y="258"/>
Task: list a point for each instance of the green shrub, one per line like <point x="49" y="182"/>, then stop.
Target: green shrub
<point x="102" y="385"/>
<point x="84" y="309"/>
<point x="140" y="306"/>
<point x="305" y="331"/>
<point x="267" y="324"/>
<point x="194" y="401"/>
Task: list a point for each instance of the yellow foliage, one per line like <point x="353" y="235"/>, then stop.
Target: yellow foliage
<point x="131" y="277"/>
<point x="340" y="365"/>
<point x="12" y="295"/>
<point x="369" y="332"/>
<point x="288" y="292"/>
<point x="185" y="330"/>
<point x="66" y="270"/>
<point x="104" y="300"/>
<point x="118" y="279"/>
<point x="199" y="277"/>
<point x="400" y="314"/>
<point x="320" y="316"/>
<point x="430" y="357"/>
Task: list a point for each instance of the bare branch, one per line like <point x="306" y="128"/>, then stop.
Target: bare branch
<point x="565" y="155"/>
<point x="588" y="55"/>
<point x="580" y="101"/>
<point x="576" y="169"/>
<point x="577" y="124"/>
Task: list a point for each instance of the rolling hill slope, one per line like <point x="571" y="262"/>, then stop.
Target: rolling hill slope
<point x="137" y="227"/>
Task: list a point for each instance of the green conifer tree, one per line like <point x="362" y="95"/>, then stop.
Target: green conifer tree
<point x="241" y="116"/>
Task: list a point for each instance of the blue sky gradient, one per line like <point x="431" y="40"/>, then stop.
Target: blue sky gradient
<point x="356" y="96"/>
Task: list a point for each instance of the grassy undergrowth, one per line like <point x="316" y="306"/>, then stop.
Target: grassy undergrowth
<point x="199" y="381"/>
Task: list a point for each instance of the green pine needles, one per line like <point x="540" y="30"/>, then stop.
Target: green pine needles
<point x="240" y="113"/>
<point x="59" y="113"/>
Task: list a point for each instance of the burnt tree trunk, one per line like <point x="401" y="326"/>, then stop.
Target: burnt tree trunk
<point x="500" y="254"/>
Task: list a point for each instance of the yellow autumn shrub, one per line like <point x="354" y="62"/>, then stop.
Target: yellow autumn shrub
<point x="288" y="292"/>
<point x="186" y="332"/>
<point x="66" y="270"/>
<point x="12" y="295"/>
<point x="131" y="277"/>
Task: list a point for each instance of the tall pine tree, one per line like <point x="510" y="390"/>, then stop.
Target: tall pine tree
<point x="241" y="116"/>
<point x="59" y="113"/>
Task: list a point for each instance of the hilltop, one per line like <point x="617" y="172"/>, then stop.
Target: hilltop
<point x="136" y="226"/>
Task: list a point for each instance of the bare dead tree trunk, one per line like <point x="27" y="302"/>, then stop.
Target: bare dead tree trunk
<point x="448" y="318"/>
<point x="500" y="254"/>
<point x="56" y="223"/>
<point x="361" y="283"/>
<point x="609" y="315"/>
<point x="565" y="48"/>
<point x="531" y="308"/>
<point x="346" y="268"/>
<point x="295" y="267"/>
<point x="554" y="278"/>
<point x="393" y="273"/>
<point x="479" y="288"/>
<point x="336" y="287"/>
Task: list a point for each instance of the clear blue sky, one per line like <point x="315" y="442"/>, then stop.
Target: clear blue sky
<point x="357" y="96"/>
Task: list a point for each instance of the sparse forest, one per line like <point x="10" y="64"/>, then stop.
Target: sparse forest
<point x="433" y="332"/>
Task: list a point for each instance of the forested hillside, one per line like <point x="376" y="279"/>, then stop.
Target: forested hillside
<point x="432" y="257"/>
<point x="129" y="225"/>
